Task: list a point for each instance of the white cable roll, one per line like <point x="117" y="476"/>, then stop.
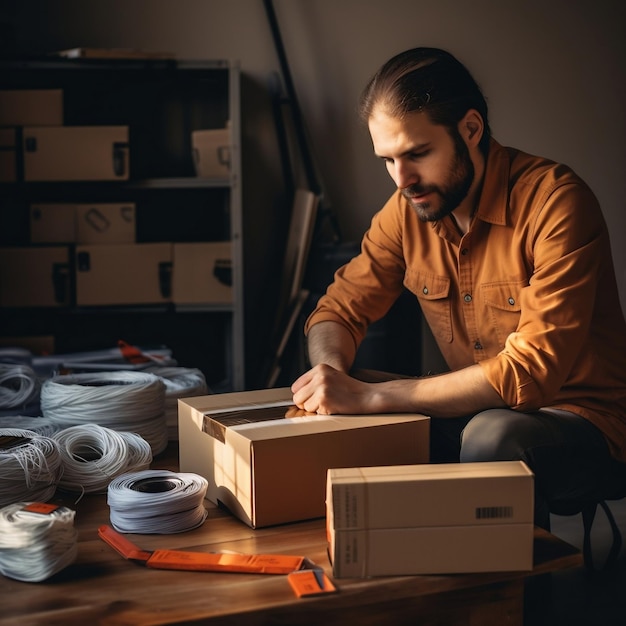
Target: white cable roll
<point x="40" y="425"/>
<point x="36" y="541"/>
<point x="123" y="401"/>
<point x="19" y="385"/>
<point x="180" y="382"/>
<point x="30" y="466"/>
<point x="157" y="501"/>
<point x="93" y="455"/>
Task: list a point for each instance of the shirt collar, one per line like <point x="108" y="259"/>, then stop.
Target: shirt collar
<point x="493" y="202"/>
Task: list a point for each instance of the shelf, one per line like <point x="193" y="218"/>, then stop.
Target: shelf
<point x="162" y="102"/>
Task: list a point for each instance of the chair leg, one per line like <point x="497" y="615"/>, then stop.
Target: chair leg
<point x="588" y="514"/>
<point x="616" y="546"/>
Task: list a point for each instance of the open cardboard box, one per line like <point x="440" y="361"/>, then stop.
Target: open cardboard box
<point x="267" y="462"/>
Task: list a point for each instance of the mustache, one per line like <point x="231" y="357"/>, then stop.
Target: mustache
<point x="417" y="190"/>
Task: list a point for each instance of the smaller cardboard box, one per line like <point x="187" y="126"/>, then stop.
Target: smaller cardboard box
<point x="69" y="153"/>
<point x="31" y="107"/>
<point x="430" y="519"/>
<point x="211" y="152"/>
<point x="34" y="277"/>
<point x="266" y="461"/>
<point x="202" y="273"/>
<point x="123" y="274"/>
<point x="53" y="223"/>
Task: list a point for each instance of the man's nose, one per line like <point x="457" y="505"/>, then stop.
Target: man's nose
<point x="405" y="175"/>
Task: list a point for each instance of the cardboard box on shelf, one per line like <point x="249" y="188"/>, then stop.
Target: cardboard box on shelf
<point x="34" y="277"/>
<point x="430" y="519"/>
<point x="211" y="152"/>
<point x="106" y="223"/>
<point x="70" y="153"/>
<point x="94" y="223"/>
<point x="31" y="107"/>
<point x="123" y="274"/>
<point x="267" y="461"/>
<point x="53" y="223"/>
<point x="202" y="273"/>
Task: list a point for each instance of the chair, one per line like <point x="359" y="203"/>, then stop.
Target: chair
<point x="609" y="484"/>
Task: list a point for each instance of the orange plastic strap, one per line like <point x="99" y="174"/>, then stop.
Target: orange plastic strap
<point x="218" y="562"/>
<point x="122" y="545"/>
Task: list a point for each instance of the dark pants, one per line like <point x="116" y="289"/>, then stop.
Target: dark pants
<point x="567" y="454"/>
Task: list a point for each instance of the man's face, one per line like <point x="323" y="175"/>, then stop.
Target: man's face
<point x="433" y="170"/>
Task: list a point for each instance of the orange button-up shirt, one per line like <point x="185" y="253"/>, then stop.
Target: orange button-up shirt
<point x="529" y="292"/>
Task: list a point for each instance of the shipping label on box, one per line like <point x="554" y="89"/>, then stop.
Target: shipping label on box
<point x="34" y="277"/>
<point x="202" y="273"/>
<point x="31" y="107"/>
<point x="53" y="223"/>
<point x="429" y="519"/>
<point x="266" y="461"/>
<point x="211" y="152"/>
<point x="75" y="153"/>
<point x="123" y="274"/>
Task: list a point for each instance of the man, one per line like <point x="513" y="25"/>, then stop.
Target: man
<point x="509" y="257"/>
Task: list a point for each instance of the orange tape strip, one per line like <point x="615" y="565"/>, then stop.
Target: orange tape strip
<point x="212" y="562"/>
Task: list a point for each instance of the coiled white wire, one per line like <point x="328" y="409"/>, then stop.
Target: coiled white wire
<point x="123" y="401"/>
<point x="30" y="466"/>
<point x="180" y="382"/>
<point x="93" y="455"/>
<point x="19" y="385"/>
<point x="34" y="546"/>
<point x="40" y="425"/>
<point x="157" y="501"/>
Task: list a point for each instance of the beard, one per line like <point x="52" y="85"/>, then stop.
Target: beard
<point x="452" y="192"/>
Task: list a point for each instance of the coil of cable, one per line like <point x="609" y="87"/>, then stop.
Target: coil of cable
<point x="157" y="501"/>
<point x="36" y="541"/>
<point x="92" y="455"/>
<point x="122" y="401"/>
<point x="180" y="382"/>
<point x="30" y="466"/>
<point x="19" y="386"/>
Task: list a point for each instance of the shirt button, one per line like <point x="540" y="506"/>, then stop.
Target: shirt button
<point x="511" y="301"/>
<point x="478" y="345"/>
<point x="464" y="251"/>
<point x="467" y="297"/>
<point x="425" y="291"/>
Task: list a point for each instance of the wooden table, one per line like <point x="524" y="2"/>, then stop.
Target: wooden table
<point x="103" y="588"/>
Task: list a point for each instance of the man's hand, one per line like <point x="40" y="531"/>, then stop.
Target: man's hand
<point x="328" y="391"/>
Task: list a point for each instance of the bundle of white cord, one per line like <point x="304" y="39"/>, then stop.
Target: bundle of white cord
<point x="40" y="425"/>
<point x="180" y="382"/>
<point x="30" y="466"/>
<point x="19" y="385"/>
<point x="35" y="545"/>
<point x="157" y="501"/>
<point x="93" y="455"/>
<point x="123" y="401"/>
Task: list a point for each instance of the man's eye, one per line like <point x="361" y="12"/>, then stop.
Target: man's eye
<point x="418" y="155"/>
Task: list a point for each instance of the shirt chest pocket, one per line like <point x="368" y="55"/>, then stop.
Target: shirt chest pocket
<point x="433" y="294"/>
<point x="502" y="307"/>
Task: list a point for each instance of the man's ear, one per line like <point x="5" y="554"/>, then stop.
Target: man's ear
<point x="472" y="127"/>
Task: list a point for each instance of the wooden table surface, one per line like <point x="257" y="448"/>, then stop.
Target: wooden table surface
<point x="101" y="587"/>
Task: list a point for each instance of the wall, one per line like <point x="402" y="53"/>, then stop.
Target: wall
<point x="553" y="71"/>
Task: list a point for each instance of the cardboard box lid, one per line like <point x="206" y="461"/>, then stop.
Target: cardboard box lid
<point x="452" y="494"/>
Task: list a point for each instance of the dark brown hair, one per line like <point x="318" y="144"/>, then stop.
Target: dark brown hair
<point x="429" y="80"/>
